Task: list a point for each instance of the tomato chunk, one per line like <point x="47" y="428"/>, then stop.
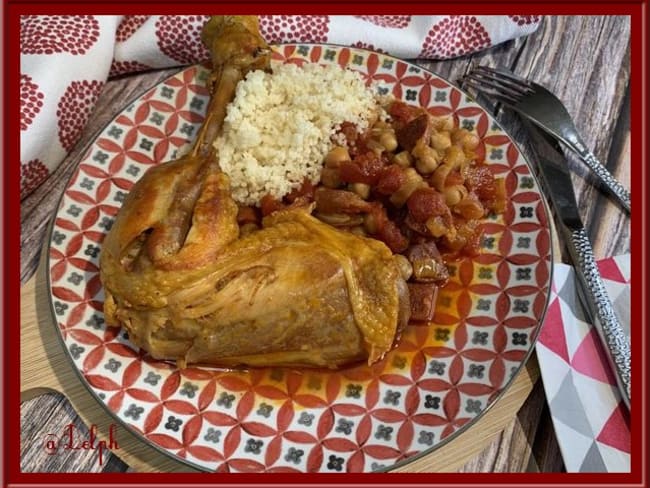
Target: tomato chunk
<point x="270" y="204"/>
<point x="393" y="237"/>
<point x="414" y="131"/>
<point x="403" y="113"/>
<point x="426" y="202"/>
<point x="365" y="168"/>
<point x="303" y="192"/>
<point x="480" y="180"/>
<point x="391" y="179"/>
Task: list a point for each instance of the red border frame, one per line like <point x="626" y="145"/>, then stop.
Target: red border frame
<point x="638" y="10"/>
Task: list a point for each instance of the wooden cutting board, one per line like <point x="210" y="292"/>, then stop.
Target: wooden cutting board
<point x="46" y="366"/>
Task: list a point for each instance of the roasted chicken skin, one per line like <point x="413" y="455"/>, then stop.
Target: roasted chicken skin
<point x="184" y="284"/>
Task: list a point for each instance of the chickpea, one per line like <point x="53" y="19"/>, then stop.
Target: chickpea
<point x="455" y="157"/>
<point x="448" y="124"/>
<point x="440" y="176"/>
<point x="426" y="158"/>
<point x="458" y="135"/>
<point x="376" y="146"/>
<point x="436" y="226"/>
<point x="361" y="189"/>
<point x="370" y="223"/>
<point x="336" y="156"/>
<point x="404" y="265"/>
<point x="440" y="141"/>
<point x="469" y="141"/>
<point x="412" y="182"/>
<point x="437" y="122"/>
<point x="388" y="140"/>
<point x="379" y="128"/>
<point x="381" y="124"/>
<point x="454" y="194"/>
<point x="443" y="123"/>
<point x="426" y="165"/>
<point x="403" y="159"/>
<point x="470" y="209"/>
<point x="330" y="177"/>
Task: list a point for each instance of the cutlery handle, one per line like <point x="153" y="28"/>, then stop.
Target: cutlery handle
<point x="621" y="193"/>
<point x="611" y="332"/>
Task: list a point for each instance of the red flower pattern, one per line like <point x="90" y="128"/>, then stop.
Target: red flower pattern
<point x="394" y="21"/>
<point x="294" y="28"/>
<point x="128" y="26"/>
<point x="31" y="101"/>
<point x="179" y="37"/>
<point x="525" y="19"/>
<point x="50" y="34"/>
<point x="32" y="174"/>
<point x="74" y="108"/>
<point x="454" y="36"/>
<point x="123" y="67"/>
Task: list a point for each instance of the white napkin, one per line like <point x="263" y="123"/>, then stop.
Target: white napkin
<point x="591" y="421"/>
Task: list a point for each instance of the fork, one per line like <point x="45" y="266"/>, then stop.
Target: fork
<point x="544" y="109"/>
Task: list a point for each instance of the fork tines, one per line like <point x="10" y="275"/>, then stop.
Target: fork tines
<point x="500" y="84"/>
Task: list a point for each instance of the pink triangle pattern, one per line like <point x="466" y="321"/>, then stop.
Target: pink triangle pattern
<point x="609" y="270"/>
<point x="590" y="359"/>
<point x="552" y="333"/>
<point x="616" y="431"/>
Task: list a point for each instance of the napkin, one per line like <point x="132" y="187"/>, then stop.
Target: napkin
<point x="66" y="60"/>
<point x="591" y="421"/>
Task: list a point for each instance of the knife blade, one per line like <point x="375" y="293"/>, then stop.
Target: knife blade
<point x="553" y="170"/>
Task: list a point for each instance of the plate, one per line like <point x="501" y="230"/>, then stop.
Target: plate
<point x="435" y="384"/>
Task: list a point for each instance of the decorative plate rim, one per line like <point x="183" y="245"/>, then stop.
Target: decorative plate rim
<point x="397" y="464"/>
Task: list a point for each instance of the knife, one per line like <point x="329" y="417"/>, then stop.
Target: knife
<point x="553" y="169"/>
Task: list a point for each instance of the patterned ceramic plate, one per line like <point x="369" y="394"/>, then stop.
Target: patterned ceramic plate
<point x="434" y="385"/>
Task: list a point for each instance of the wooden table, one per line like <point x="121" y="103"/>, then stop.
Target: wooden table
<point x="584" y="60"/>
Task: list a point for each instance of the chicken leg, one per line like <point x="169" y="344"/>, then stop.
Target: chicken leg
<point x="186" y="287"/>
